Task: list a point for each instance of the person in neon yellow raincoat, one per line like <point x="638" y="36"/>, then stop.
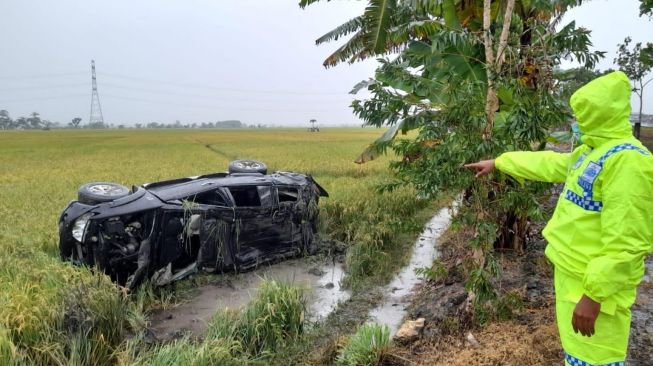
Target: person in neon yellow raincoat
<point x="602" y="227"/>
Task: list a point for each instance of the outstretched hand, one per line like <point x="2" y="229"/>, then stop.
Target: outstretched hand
<point x="483" y="167"/>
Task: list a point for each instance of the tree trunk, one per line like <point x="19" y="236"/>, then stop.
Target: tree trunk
<point x="638" y="125"/>
<point x="493" y="65"/>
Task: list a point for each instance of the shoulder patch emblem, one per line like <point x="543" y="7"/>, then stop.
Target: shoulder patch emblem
<point x="586" y="180"/>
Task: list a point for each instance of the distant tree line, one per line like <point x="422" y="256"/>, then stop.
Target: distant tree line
<point x="32" y="122"/>
<point x="35" y="122"/>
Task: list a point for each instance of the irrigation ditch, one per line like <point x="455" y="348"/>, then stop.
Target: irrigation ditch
<point x="327" y="300"/>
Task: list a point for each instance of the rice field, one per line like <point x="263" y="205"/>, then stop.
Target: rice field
<point x="53" y="313"/>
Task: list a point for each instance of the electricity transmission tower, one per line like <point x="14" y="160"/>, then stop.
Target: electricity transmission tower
<point x="96" y="109"/>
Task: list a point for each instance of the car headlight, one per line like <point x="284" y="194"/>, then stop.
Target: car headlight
<point x="79" y="227"/>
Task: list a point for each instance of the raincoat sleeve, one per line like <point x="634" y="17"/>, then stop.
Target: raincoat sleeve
<point x="543" y="166"/>
<point x="626" y="228"/>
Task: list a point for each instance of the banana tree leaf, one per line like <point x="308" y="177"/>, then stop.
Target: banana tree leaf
<point x="419" y="48"/>
<point x="506" y="97"/>
<point x="361" y="85"/>
<point x="377" y="148"/>
<point x="500" y="119"/>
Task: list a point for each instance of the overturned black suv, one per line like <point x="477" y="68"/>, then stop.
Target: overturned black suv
<point x="216" y="222"/>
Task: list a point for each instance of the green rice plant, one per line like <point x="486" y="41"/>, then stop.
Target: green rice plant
<point x="38" y="292"/>
<point x="365" y="347"/>
<point x="186" y="352"/>
<point x="8" y="353"/>
<point x="270" y="321"/>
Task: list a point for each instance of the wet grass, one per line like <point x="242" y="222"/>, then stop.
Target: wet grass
<point x="267" y="325"/>
<point x="365" y="347"/>
<point x="271" y="320"/>
<point x="646" y="136"/>
<point x="40" y="172"/>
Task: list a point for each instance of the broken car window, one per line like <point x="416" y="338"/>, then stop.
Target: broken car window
<point x="288" y="194"/>
<point x="245" y="196"/>
<point x="208" y="198"/>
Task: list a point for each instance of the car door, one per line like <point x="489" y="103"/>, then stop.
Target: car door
<point x="199" y="228"/>
<point x="258" y="232"/>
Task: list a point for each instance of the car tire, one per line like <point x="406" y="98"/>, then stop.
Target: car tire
<point x="247" y="166"/>
<point x="66" y="248"/>
<point x="98" y="192"/>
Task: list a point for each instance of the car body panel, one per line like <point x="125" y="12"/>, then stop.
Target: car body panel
<point x="218" y="222"/>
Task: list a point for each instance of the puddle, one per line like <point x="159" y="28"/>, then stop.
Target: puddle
<point x="322" y="280"/>
<point x="391" y="311"/>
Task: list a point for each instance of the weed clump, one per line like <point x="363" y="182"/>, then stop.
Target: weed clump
<point x="274" y="319"/>
<point x="186" y="352"/>
<point x="270" y="321"/>
<point x="365" y="347"/>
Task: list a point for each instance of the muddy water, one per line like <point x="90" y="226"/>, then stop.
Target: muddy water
<point x="322" y="281"/>
<point x="393" y="308"/>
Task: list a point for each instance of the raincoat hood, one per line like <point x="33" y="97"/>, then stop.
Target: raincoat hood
<point x="602" y="109"/>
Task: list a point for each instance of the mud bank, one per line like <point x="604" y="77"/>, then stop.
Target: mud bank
<point x="640" y="350"/>
<point x="321" y="280"/>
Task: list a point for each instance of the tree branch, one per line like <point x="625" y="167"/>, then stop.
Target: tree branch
<point x="505" y="32"/>
<point x="487" y="37"/>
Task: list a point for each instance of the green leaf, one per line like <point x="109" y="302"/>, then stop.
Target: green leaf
<point x="305" y="3"/>
<point x="419" y="48"/>
<point x="376" y="148"/>
<point x="377" y="19"/>
<point x="344" y="29"/>
<point x="362" y="84"/>
<point x="505" y="96"/>
<point x="348" y="50"/>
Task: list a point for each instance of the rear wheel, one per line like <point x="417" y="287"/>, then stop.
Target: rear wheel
<point x="98" y="192"/>
<point x="247" y="166"/>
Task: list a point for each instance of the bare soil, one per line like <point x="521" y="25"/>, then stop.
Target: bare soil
<point x="529" y="338"/>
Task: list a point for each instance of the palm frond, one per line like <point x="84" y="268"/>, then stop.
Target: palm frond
<point x="305" y="3"/>
<point x="443" y="9"/>
<point x="378" y="15"/>
<point x="415" y="30"/>
<point x="353" y="47"/>
<point x="362" y="84"/>
<point x="351" y="26"/>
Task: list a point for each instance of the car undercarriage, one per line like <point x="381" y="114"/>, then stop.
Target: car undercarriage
<point x="167" y="230"/>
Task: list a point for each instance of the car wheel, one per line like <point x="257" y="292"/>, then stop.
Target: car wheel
<point x="66" y="248"/>
<point x="98" y="192"/>
<point x="247" y="166"/>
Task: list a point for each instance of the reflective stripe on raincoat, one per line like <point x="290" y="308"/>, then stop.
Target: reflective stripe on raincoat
<point x="602" y="227"/>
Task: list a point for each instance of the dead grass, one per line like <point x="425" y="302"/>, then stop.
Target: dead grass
<point x="530" y="340"/>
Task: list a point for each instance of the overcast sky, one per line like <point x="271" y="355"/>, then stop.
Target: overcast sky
<point x="206" y="60"/>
